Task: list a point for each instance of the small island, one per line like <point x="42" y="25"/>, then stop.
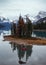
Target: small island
<point x="21" y="33"/>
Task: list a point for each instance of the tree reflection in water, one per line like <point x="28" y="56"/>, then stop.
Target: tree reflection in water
<point x="13" y="46"/>
<point x="22" y="50"/>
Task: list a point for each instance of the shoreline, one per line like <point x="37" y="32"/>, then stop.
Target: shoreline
<point x="28" y="41"/>
<point x="40" y="30"/>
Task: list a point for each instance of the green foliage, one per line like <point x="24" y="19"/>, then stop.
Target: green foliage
<point x="22" y="29"/>
<point x="13" y="29"/>
<point x="29" y="28"/>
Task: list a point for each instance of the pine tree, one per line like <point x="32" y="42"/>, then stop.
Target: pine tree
<point x="29" y="27"/>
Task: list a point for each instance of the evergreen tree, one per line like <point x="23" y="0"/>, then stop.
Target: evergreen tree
<point x="13" y="28"/>
<point x="29" y="27"/>
<point x="20" y="27"/>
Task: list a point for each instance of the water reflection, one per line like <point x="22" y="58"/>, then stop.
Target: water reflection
<point x="23" y="51"/>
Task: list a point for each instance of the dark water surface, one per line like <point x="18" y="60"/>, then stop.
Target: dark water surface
<point x="14" y="54"/>
<point x="40" y="33"/>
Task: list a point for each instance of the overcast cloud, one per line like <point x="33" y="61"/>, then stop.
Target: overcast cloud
<point x="15" y="7"/>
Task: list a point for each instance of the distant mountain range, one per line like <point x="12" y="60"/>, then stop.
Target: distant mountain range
<point x="41" y="17"/>
<point x="6" y="24"/>
<point x="3" y="19"/>
<point x="41" y="20"/>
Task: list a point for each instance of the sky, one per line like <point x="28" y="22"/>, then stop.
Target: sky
<point x="11" y="8"/>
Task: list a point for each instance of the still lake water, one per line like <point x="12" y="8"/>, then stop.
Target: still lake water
<point x="13" y="54"/>
<point x="40" y="34"/>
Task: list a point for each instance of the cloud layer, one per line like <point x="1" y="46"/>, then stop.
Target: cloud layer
<point x="15" y="7"/>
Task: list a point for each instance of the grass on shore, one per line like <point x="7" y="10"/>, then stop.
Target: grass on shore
<point x="29" y="41"/>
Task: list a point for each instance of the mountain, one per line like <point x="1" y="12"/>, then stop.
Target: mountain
<point x="40" y="17"/>
<point x="3" y="19"/>
<point x="4" y="23"/>
<point x="41" y="20"/>
<point x="42" y="14"/>
<point x="5" y="26"/>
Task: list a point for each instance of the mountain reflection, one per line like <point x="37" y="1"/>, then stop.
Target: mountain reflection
<point x="22" y="51"/>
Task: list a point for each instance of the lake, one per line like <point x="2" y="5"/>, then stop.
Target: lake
<point x="40" y="34"/>
<point x="14" y="54"/>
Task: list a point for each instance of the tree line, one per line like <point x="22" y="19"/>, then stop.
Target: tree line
<point x="22" y="29"/>
<point x="40" y="26"/>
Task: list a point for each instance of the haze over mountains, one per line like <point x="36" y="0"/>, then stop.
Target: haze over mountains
<point x="38" y="17"/>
